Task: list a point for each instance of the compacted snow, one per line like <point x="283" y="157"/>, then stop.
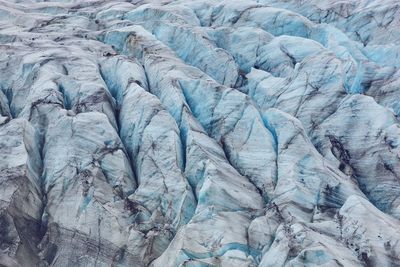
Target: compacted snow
<point x="200" y="133"/>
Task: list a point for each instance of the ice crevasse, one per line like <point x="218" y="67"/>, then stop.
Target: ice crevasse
<point x="199" y="133"/>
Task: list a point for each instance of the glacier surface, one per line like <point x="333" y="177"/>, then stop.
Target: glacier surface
<point x="199" y="133"/>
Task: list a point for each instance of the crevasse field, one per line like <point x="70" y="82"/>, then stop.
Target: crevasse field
<point x="199" y="133"/>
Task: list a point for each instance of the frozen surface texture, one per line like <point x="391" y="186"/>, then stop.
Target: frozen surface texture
<point x="200" y="133"/>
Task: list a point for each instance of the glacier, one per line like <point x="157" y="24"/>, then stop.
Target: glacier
<point x="199" y="133"/>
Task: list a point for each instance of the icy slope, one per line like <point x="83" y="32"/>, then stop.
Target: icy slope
<point x="200" y="133"/>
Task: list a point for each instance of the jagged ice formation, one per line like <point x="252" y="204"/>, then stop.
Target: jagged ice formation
<point x="200" y="133"/>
